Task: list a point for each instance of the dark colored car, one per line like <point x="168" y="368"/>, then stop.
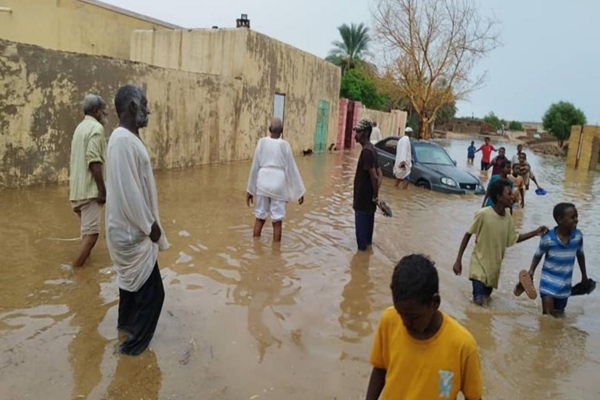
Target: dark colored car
<point x="432" y="167"/>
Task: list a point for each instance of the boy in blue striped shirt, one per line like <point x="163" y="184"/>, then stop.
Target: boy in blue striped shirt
<point x="560" y="246"/>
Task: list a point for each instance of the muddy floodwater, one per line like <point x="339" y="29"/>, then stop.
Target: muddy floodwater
<point x="244" y="319"/>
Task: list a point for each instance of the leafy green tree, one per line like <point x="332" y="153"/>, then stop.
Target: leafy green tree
<point x="446" y="113"/>
<point x="493" y="120"/>
<point x="353" y="49"/>
<point x="358" y="85"/>
<point x="559" y="119"/>
<point x="515" y="126"/>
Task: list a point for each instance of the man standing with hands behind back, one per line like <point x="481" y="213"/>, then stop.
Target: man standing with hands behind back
<point x="133" y="232"/>
<point x="86" y="182"/>
<point x="366" y="186"/>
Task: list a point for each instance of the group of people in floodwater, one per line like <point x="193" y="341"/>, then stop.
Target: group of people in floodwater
<point x="418" y="352"/>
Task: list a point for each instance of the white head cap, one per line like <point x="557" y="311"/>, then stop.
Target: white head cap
<point x="408" y="129"/>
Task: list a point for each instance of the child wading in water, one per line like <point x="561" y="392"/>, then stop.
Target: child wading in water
<point x="418" y="351"/>
<point x="504" y="171"/>
<point x="471" y="152"/>
<point x="494" y="229"/>
<point x="560" y="246"/>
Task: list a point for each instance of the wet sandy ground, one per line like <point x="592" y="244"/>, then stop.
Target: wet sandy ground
<point x="246" y="320"/>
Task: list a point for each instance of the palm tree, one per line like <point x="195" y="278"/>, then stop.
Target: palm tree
<point x="353" y="49"/>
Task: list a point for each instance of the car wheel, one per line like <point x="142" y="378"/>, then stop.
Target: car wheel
<point x="424" y="185"/>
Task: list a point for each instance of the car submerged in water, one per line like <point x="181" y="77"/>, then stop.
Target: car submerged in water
<point x="432" y="167"/>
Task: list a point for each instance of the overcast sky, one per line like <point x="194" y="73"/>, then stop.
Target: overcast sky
<point x="550" y="48"/>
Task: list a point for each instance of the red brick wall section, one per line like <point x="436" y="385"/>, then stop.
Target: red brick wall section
<point x="342" y="123"/>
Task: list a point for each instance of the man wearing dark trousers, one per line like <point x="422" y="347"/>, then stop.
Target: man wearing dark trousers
<point x="366" y="186"/>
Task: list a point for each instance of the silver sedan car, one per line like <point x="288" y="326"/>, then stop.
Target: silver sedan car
<point x="432" y="167"/>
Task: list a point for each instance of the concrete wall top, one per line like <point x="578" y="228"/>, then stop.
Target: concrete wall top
<point x="207" y="51"/>
<point x="81" y="26"/>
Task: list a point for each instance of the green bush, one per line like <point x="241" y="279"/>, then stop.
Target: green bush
<point x="559" y="119"/>
<point x="493" y="120"/>
<point x="515" y="126"/>
<point x="358" y="85"/>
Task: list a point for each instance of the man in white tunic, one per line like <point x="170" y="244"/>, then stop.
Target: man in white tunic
<point x="376" y="133"/>
<point x="274" y="180"/>
<point x="403" y="163"/>
<point x="133" y="230"/>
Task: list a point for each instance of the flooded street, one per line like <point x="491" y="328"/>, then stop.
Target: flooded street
<point x="244" y="319"/>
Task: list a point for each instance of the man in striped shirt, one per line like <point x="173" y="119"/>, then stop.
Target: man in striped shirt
<point x="560" y="246"/>
<point x="87" y="192"/>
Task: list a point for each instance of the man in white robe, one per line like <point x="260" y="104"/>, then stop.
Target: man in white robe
<point x="403" y="162"/>
<point x="133" y="231"/>
<point x="274" y="180"/>
<point x="376" y="133"/>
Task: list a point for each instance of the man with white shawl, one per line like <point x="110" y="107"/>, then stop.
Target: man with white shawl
<point x="133" y="231"/>
<point x="403" y="162"/>
<point x="274" y="180"/>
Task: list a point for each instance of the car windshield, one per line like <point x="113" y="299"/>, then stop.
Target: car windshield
<point x="432" y="155"/>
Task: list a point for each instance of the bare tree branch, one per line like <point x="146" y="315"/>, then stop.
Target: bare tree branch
<point x="430" y="50"/>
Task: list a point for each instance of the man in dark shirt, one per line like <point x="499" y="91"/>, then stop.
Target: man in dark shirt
<point x="366" y="186"/>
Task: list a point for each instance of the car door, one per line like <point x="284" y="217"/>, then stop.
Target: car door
<point x="417" y="169"/>
<point x="386" y="154"/>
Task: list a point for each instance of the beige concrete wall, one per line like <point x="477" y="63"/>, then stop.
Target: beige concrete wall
<point x="390" y="123"/>
<point x="195" y="117"/>
<point x="273" y="67"/>
<point x="264" y="66"/>
<point x="215" y="51"/>
<point x="586" y="137"/>
<point x="71" y="25"/>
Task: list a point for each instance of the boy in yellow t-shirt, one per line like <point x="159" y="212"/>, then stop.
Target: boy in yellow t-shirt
<point x="420" y="353"/>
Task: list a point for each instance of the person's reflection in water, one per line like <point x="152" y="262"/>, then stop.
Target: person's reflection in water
<point x="356" y="304"/>
<point x="86" y="350"/>
<point x="549" y="355"/>
<point x="578" y="182"/>
<point x="135" y="378"/>
<point x="260" y="287"/>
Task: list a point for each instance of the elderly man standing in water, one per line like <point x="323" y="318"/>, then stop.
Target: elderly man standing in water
<point x="403" y="163"/>
<point x="134" y="233"/>
<point x="87" y="192"/>
<point x="274" y="180"/>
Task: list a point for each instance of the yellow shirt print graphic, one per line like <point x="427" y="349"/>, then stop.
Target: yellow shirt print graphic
<point x="445" y="383"/>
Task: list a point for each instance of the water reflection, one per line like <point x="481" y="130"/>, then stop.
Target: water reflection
<point x="86" y="350"/>
<point x="356" y="304"/>
<point x="135" y="378"/>
<point x="300" y="316"/>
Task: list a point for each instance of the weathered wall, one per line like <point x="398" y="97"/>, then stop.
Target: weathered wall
<point x="208" y="51"/>
<point x="194" y="117"/>
<point x="584" y="147"/>
<point x="390" y="123"/>
<point x="273" y="67"/>
<point x="264" y="66"/>
<point x="72" y="25"/>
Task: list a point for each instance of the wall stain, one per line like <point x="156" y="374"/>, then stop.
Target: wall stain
<point x="196" y="118"/>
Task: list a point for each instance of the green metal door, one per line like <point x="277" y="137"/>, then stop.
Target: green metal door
<point x="322" y="126"/>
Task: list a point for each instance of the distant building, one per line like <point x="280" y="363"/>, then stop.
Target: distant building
<point x="467" y="125"/>
<point x="531" y="128"/>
